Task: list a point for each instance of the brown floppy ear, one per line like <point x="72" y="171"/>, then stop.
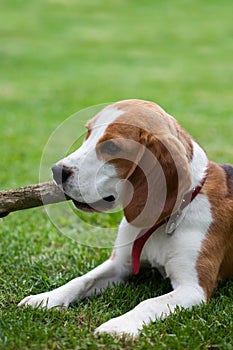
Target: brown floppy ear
<point x="159" y="181"/>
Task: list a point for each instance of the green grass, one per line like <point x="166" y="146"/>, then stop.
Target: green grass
<point x="58" y="57"/>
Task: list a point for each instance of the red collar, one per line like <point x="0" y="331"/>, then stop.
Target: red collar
<point x="143" y="236"/>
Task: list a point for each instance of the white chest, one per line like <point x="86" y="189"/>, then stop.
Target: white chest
<point x="177" y="254"/>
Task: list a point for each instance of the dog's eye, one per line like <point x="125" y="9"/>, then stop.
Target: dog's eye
<point x="110" y="148"/>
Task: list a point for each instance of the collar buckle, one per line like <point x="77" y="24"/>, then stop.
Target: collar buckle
<point x="173" y="222"/>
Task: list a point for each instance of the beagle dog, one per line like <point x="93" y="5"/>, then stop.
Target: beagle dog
<point x="178" y="210"/>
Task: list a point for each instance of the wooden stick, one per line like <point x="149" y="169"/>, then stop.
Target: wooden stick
<point x="30" y="197"/>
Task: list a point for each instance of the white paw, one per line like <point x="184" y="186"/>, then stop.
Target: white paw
<point x="122" y="325"/>
<point x="45" y="300"/>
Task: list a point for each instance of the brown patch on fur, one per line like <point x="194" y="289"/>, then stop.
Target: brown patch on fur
<point x="215" y="260"/>
<point x="89" y="128"/>
<point x="186" y="140"/>
<point x="165" y="163"/>
<point x="159" y="191"/>
<point x="174" y="126"/>
<point x="125" y="138"/>
<point x="88" y="134"/>
<point x="146" y="104"/>
<point x="89" y="125"/>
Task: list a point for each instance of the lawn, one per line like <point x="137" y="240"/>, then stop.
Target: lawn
<point x="58" y="57"/>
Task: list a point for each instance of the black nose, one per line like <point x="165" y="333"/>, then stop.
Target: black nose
<point x="60" y="174"/>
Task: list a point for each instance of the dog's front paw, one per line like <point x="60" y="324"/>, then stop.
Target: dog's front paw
<point x="122" y="325"/>
<point x="45" y="300"/>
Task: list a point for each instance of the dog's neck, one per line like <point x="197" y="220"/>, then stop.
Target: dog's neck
<point x="172" y="222"/>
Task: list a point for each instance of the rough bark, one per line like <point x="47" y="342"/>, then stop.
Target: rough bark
<point x="30" y="197"/>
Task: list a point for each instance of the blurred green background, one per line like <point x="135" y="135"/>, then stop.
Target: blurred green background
<point x="59" y="56"/>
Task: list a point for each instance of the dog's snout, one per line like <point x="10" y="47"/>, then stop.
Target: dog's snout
<point x="60" y="174"/>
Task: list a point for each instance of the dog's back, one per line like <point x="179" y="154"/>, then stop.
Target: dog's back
<point x="229" y="173"/>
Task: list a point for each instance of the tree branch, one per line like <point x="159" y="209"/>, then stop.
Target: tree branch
<point x="30" y="197"/>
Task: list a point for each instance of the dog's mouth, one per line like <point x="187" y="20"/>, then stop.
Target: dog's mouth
<point x="104" y="204"/>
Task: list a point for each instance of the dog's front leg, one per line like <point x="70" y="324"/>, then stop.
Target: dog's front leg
<point x="93" y="282"/>
<point x="112" y="271"/>
<point x="153" y="309"/>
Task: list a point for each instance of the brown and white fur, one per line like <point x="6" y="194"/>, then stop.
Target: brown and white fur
<point x="200" y="250"/>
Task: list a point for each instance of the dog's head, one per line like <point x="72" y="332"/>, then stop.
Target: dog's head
<point x="134" y="154"/>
